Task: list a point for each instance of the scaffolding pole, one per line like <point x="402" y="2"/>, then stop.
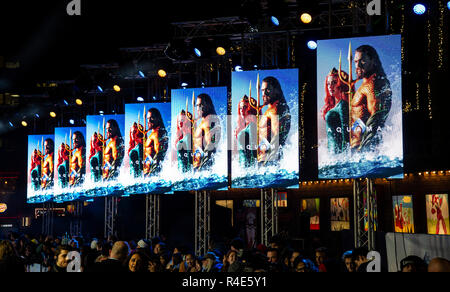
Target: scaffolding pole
<point x="152" y="221"/>
<point x="111" y="204"/>
<point x="202" y="222"/>
<point x="364" y="212"/>
<point x="269" y="215"/>
<point x="75" y="222"/>
<point x="47" y="219"/>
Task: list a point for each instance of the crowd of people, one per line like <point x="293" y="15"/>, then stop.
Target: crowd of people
<point x="23" y="253"/>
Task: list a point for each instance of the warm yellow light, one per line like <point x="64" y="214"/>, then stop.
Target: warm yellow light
<point x="24" y="123"/>
<point x="79" y="101"/>
<point x="116" y="88"/>
<point x="53" y="114"/>
<point x="162" y="73"/>
<point x="306" y="18"/>
<point x="220" y="51"/>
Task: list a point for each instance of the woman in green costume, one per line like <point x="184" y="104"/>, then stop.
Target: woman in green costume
<point x="335" y="112"/>
<point x="246" y="133"/>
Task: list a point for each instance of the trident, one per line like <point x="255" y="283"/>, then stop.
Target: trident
<point x="256" y="106"/>
<point x="350" y="83"/>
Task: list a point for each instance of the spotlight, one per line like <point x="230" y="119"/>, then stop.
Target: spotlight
<point x="306" y="18"/>
<point x="419" y="9"/>
<point x="312" y="45"/>
<point x="142" y="74"/>
<point x="71" y="121"/>
<point x="101" y="112"/>
<point x="116" y="88"/>
<point x="184" y="84"/>
<point x="53" y="114"/>
<point x="66" y="103"/>
<point x="99" y="88"/>
<point x="238" y="68"/>
<point x="79" y="101"/>
<point x="275" y="21"/>
<point x="154" y="97"/>
<point x="24" y="123"/>
<point x="37" y="116"/>
<point x="140" y="99"/>
<point x="197" y="52"/>
<point x="448" y="5"/>
<point x="162" y="73"/>
<point x="220" y="51"/>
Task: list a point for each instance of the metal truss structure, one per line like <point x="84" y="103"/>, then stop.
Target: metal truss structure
<point x="111" y="210"/>
<point x="269" y="215"/>
<point x="76" y="223"/>
<point x="364" y="208"/>
<point x="47" y="219"/>
<point x="202" y="222"/>
<point x="152" y="221"/>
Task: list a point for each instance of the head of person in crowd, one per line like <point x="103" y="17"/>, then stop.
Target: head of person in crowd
<point x="272" y="255"/>
<point x="349" y="263"/>
<point x="120" y="251"/>
<point x="412" y="264"/>
<point x="209" y="262"/>
<point x="303" y="265"/>
<point x="360" y="257"/>
<point x="237" y="245"/>
<point x="154" y="265"/>
<point x="295" y="254"/>
<point x="439" y="265"/>
<point x="159" y="248"/>
<point x="62" y="261"/>
<point x="321" y="255"/>
<point x="137" y="262"/>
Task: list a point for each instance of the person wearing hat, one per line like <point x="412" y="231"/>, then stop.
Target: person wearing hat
<point x="210" y="263"/>
<point x="412" y="264"/>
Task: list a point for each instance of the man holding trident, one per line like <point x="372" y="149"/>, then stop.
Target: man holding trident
<point x="371" y="103"/>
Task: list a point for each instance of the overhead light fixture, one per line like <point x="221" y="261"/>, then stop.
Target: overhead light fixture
<point x="312" y="45"/>
<point x="275" y="21"/>
<point x="11" y="124"/>
<point x="448" y="5"/>
<point x="71" y="121"/>
<point x="53" y="114"/>
<point x="184" y="84"/>
<point x="37" y="116"/>
<point x="24" y="123"/>
<point x="238" y="68"/>
<point x="154" y="97"/>
<point x="116" y="88"/>
<point x="419" y="9"/>
<point x="306" y="18"/>
<point x="99" y="88"/>
<point x="101" y="112"/>
<point x="79" y="101"/>
<point x="220" y="51"/>
<point x="141" y="74"/>
<point x="140" y="99"/>
<point x="197" y="52"/>
<point x="65" y="102"/>
<point x="162" y="73"/>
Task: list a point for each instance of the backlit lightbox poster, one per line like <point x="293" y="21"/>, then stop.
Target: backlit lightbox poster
<point x="41" y="167"/>
<point x="70" y="163"/>
<point x="147" y="160"/>
<point x="340" y="214"/>
<point x="359" y="99"/>
<point x="437" y="214"/>
<point x="264" y="133"/>
<point x="311" y="207"/>
<point x="403" y="214"/>
<point x="199" y="139"/>
<point x="105" y="154"/>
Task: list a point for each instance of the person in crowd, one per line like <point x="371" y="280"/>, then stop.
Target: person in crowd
<point x="360" y="258"/>
<point x="61" y="260"/>
<point x="439" y="265"/>
<point x="321" y="257"/>
<point x="137" y="263"/>
<point x="9" y="262"/>
<point x="210" y="264"/>
<point x="116" y="260"/>
<point x="349" y="263"/>
<point x="413" y="264"/>
<point x="154" y="265"/>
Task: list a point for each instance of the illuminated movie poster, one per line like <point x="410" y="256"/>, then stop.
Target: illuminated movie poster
<point x="367" y="91"/>
<point x="311" y="207"/>
<point x="70" y="163"/>
<point x="40" y="170"/>
<point x="265" y="151"/>
<point x="373" y="199"/>
<point x="437" y="214"/>
<point x="105" y="154"/>
<point x="198" y="148"/>
<point x="147" y="141"/>
<point x="403" y="214"/>
<point x="340" y="214"/>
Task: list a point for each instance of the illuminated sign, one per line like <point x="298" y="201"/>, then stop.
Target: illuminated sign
<point x="3" y="208"/>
